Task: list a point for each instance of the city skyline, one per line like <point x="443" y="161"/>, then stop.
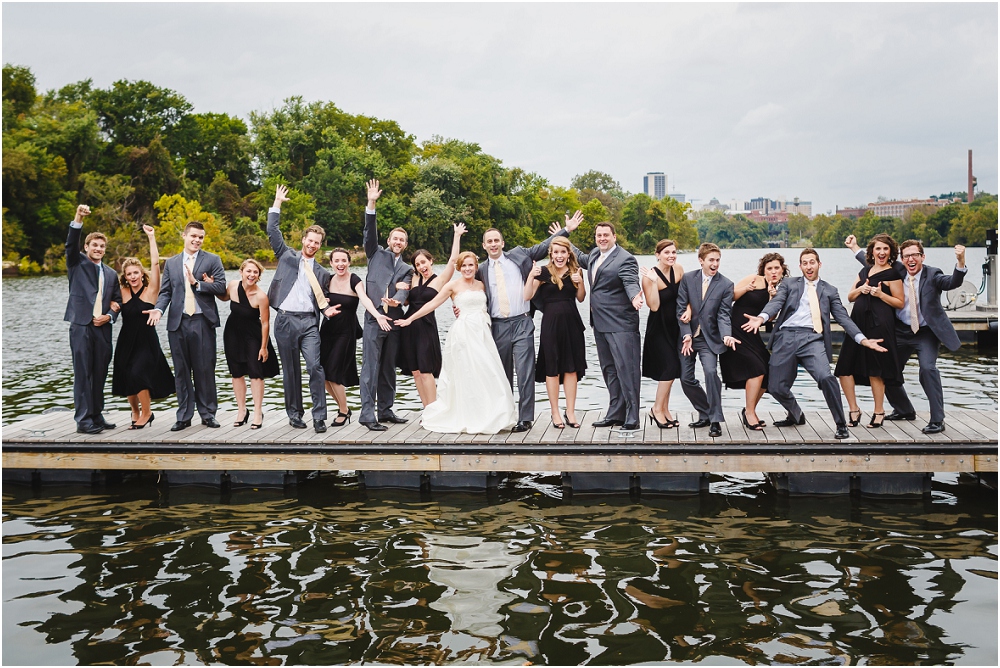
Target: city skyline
<point x="838" y="103"/>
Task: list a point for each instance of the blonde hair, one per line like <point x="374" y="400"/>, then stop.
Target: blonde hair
<point x="254" y="262"/>
<point x="133" y="262"/>
<point x="571" y="264"/>
<point x="462" y="257"/>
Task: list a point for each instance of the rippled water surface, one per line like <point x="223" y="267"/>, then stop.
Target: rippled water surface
<point x="328" y="575"/>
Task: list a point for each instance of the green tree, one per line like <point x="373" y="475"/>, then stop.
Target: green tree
<point x="18" y="92"/>
<point x="970" y="226"/>
<point x="600" y="182"/>
<point x="134" y="113"/>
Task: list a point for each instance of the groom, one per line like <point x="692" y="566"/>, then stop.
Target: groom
<point x="504" y="275"/>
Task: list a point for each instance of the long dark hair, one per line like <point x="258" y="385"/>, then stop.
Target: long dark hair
<point x="888" y="241"/>
<point x="768" y="259"/>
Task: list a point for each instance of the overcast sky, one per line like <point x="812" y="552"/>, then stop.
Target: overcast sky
<point x="833" y="103"/>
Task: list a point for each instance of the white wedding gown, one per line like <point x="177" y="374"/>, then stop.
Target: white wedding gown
<point x="473" y="394"/>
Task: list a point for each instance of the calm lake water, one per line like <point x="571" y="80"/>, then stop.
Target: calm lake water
<point x="327" y="573"/>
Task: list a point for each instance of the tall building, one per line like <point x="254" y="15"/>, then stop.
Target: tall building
<point x="680" y="197"/>
<point x="762" y="204"/>
<point x="654" y="184"/>
<point x="797" y="206"/>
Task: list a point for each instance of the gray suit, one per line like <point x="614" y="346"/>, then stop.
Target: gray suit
<point x="378" y="368"/>
<point x="712" y="315"/>
<point x="89" y="345"/>
<point x="616" y="328"/>
<point x="791" y="346"/>
<point x="296" y="332"/>
<point x="926" y="342"/>
<point x="515" y="336"/>
<point x="192" y="338"/>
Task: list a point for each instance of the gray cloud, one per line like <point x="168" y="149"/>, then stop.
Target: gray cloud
<point x="832" y="103"/>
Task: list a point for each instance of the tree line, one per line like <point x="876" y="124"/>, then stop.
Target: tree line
<point x="139" y="154"/>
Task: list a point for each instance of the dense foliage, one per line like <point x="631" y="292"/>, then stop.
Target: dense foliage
<point x="137" y="153"/>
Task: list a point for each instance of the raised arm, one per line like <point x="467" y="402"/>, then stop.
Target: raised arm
<point x="273" y="218"/>
<point x="154" y="258"/>
<point x="746" y="284"/>
<point x="456" y="248"/>
<point x="371" y="226"/>
<point x="539" y="251"/>
<point x="531" y="284"/>
<point x="942" y="282"/>
<point x="73" y="238"/>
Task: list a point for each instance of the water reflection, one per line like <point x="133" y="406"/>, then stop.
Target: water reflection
<point x="327" y="577"/>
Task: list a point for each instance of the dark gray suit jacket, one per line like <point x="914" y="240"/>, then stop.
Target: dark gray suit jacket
<point x="712" y="314"/>
<point x="172" y="287"/>
<point x="82" y="274"/>
<point x="612" y="289"/>
<point x="520" y="256"/>
<point x="383" y="273"/>
<point x="790" y="294"/>
<point x="932" y="283"/>
<point x="287" y="271"/>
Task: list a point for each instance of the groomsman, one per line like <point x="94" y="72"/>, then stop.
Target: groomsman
<point x="706" y="334"/>
<point x="297" y="293"/>
<point x="615" y="300"/>
<point x="190" y="283"/>
<point x="513" y="329"/>
<point x="94" y="300"/>
<point x="803" y="306"/>
<point x="386" y="270"/>
<point x="921" y="327"/>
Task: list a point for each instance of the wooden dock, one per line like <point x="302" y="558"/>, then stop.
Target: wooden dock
<point x="969" y="445"/>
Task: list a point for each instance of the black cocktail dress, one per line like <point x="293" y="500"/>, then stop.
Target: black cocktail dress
<point x="339" y="338"/>
<point x="751" y="357"/>
<point x="242" y="338"/>
<point x="139" y="361"/>
<point x="660" y="353"/>
<point x="420" y="345"/>
<point x="876" y="320"/>
<point x="561" y="347"/>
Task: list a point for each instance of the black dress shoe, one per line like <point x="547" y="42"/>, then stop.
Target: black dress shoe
<point x="393" y="418"/>
<point x="523" y="425"/>
<point x="181" y="424"/>
<point x="842" y="432"/>
<point x="91" y="429"/>
<point x="700" y="424"/>
<point x="933" y="428"/>
<point x="319" y="426"/>
<point x="609" y="423"/>
<point x="297" y="423"/>
<point x="107" y="425"/>
<point x="896" y="415"/>
<point x="792" y="422"/>
<point x="375" y="426"/>
<point x="211" y="423"/>
<point x="630" y="426"/>
<point x="716" y="430"/>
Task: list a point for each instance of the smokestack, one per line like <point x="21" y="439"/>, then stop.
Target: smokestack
<point x="969" y="197"/>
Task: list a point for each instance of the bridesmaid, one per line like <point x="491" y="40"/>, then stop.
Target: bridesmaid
<point x="247" y="341"/>
<point x="339" y="333"/>
<point x="141" y="372"/>
<point x="420" y="345"/>
<point x="562" y="352"/>
<point x="660" y="356"/>
<point x="746" y="367"/>
<point x="876" y="296"/>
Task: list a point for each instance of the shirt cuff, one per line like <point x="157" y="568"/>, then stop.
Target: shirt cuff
<point x="370" y="212"/>
<point x="859" y="337"/>
<point x="962" y="269"/>
<point x="272" y="209"/>
<point x="75" y="224"/>
<point x="765" y="316"/>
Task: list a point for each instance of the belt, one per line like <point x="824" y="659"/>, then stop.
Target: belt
<point x="301" y="314"/>
<point x="511" y="317"/>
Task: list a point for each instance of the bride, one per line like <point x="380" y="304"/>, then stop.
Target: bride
<point x="473" y="393"/>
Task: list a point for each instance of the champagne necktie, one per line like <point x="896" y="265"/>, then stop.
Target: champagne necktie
<point x="99" y="302"/>
<point x="189" y="303"/>
<point x="503" y="302"/>
<point x="600" y="261"/>
<point x="813" y="298"/>
<point x="914" y="313"/>
<point x="704" y="289"/>
<point x="321" y="300"/>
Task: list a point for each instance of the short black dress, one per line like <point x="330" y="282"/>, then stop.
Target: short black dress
<point x="139" y="361"/>
<point x="751" y="357"/>
<point x="420" y="344"/>
<point x="339" y="338"/>
<point x="876" y="320"/>
<point x="660" y="353"/>
<point x="561" y="346"/>
<point x="241" y="339"/>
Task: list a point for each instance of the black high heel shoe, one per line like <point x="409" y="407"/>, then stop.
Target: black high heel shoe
<point x="258" y="425"/>
<point x="653" y="420"/>
<point x="246" y="418"/>
<point x="575" y="425"/>
<point x="855" y="421"/>
<point x="876" y="425"/>
<point x="136" y="425"/>
<point x="337" y="422"/>
<point x="758" y="426"/>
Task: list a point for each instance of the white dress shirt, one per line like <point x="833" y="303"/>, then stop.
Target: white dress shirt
<point x="802" y="315"/>
<point x="904" y="313"/>
<point x="514" y="284"/>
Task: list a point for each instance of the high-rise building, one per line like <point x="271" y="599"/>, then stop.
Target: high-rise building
<point x="680" y="197"/>
<point x="654" y="184"/>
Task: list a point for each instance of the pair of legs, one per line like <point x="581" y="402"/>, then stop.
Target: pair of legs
<point x="140" y="405"/>
<point x="800" y="345"/>
<point x="707" y="402"/>
<point x="426" y="387"/>
<point x="754" y="392"/>
<point x="240" y="390"/>
<point x="339" y="394"/>
<point x="378" y="371"/>
<point x="91" y="348"/>
<point x="878" y="394"/>
<point x="515" y="339"/>
<point x="927" y="346"/>
<point x="298" y="334"/>
<point x="192" y="347"/>
<point x="619" y="355"/>
<point x="661" y="404"/>
<point x="569" y="388"/>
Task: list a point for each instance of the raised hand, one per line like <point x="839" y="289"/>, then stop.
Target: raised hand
<point x="873" y="344"/>
<point x="459" y="228"/>
<point x="205" y="278"/>
<point x="373" y="193"/>
<point x="81" y="211"/>
<point x="772" y="289"/>
<point x="280" y="195"/>
<point x="577" y="277"/>
<point x="960" y="255"/>
<point x="852" y="242"/>
<point x="752" y="324"/>
<point x="149" y="230"/>
<point x="187" y="274"/>
<point x="574" y="222"/>
<point x="554" y="228"/>
<point x="536" y="270"/>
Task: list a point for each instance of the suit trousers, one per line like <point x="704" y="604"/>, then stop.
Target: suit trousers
<point x="926" y="345"/>
<point x="298" y="333"/>
<point x="515" y="339"/>
<point x="192" y="347"/>
<point x="619" y="355"/>
<point x="800" y="345"/>
<point x="91" y="349"/>
<point x="378" y="371"/>
<point x="707" y="402"/>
